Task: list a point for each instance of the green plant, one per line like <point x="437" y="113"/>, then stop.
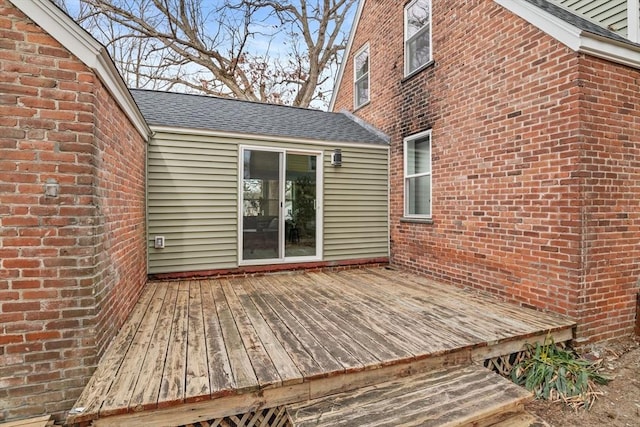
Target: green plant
<point x="557" y="374"/>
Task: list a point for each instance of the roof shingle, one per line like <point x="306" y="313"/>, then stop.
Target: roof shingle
<point x="244" y="117"/>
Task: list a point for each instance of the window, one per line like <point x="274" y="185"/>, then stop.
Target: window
<point x="361" y="77"/>
<point x="417" y="35"/>
<point x="417" y="175"/>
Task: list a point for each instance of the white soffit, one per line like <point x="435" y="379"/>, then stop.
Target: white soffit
<point x="88" y="50"/>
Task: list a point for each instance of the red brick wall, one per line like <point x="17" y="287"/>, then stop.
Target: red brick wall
<point x="510" y="193"/>
<point x="610" y="108"/>
<point x="65" y="285"/>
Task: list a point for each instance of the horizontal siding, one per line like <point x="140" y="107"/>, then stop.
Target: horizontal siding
<point x="611" y="14"/>
<point x="356" y="206"/>
<point x="193" y="202"/>
<point x="192" y="199"/>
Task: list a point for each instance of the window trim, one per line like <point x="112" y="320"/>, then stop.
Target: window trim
<point x="367" y="75"/>
<point x="406" y="177"/>
<point x="408" y="73"/>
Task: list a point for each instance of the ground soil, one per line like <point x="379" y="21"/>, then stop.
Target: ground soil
<point x="619" y="403"/>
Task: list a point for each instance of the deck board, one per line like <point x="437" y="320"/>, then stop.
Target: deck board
<point x="198" y="384"/>
<point x="310" y="356"/>
<point x="173" y="384"/>
<point x="244" y="376"/>
<point x="285" y="368"/>
<point x="348" y="352"/>
<point x="145" y="394"/>
<point x="96" y="391"/>
<point x="220" y="375"/>
<point x="124" y="383"/>
<point x="452" y="397"/>
<point x="198" y="342"/>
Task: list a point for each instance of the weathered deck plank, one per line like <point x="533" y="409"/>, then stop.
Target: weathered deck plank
<point x="198" y="384"/>
<point x="395" y="317"/>
<point x="244" y="376"/>
<point x="430" y="317"/>
<point x="282" y="361"/>
<point x="173" y="384"/>
<point x="145" y="394"/>
<point x="221" y="380"/>
<point x="127" y="377"/>
<point x="351" y="354"/>
<point x="361" y="328"/>
<point x="211" y="342"/>
<point x="465" y="307"/>
<point x="263" y="366"/>
<point x="90" y="401"/>
<point x="451" y="397"/>
<point x="307" y="352"/>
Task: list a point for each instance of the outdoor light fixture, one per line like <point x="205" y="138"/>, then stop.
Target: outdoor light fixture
<point x="51" y="188"/>
<point x="336" y="157"/>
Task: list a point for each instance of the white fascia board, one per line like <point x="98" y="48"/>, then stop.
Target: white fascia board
<point x="573" y="37"/>
<point x="260" y="138"/>
<point x="88" y="50"/>
<point x="611" y="50"/>
<point x="345" y="55"/>
<point x="557" y="28"/>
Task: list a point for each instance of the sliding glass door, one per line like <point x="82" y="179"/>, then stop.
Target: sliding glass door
<point x="279" y="206"/>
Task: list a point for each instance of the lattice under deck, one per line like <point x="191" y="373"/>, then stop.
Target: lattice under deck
<point x="269" y="417"/>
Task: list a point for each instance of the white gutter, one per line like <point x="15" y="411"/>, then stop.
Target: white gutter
<point x="233" y="137"/>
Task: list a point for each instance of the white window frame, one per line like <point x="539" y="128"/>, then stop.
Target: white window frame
<point x="407" y="72"/>
<point x="282" y="258"/>
<point x="407" y="140"/>
<point x="367" y="75"/>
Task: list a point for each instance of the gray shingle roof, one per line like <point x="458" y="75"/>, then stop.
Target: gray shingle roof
<point x="577" y="21"/>
<point x="231" y="115"/>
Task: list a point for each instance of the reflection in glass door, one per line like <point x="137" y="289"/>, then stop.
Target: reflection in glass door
<point x="300" y="206"/>
<point x="279" y="206"/>
<point x="261" y="205"/>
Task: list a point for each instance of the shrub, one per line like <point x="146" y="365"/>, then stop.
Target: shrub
<point x="557" y="374"/>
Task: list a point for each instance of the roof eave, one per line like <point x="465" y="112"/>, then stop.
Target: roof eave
<point x="574" y="37"/>
<point x="88" y="50"/>
<point x="601" y="47"/>
<point x="232" y="136"/>
<point x="345" y="55"/>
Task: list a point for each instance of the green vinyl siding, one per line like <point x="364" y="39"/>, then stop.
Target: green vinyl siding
<point x="193" y="201"/>
<point x="611" y="14"/>
<point x="356" y="205"/>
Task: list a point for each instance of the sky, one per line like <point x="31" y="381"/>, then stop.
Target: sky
<point x="274" y="47"/>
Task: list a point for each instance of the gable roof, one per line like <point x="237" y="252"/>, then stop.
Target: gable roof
<point x="87" y="49"/>
<point x="232" y="116"/>
<point x="565" y="26"/>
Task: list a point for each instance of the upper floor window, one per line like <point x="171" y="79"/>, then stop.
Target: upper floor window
<point x="417" y="35"/>
<point x="361" y="77"/>
<point x="417" y="175"/>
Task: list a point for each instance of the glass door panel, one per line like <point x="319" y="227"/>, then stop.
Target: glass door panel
<point x="300" y="206"/>
<point x="261" y="205"/>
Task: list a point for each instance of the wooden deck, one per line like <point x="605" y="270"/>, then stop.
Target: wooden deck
<point x="197" y="350"/>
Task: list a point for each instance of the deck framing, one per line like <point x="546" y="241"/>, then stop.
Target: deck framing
<point x="198" y="350"/>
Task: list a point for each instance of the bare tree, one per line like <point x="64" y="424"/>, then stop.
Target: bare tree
<point x="278" y="51"/>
